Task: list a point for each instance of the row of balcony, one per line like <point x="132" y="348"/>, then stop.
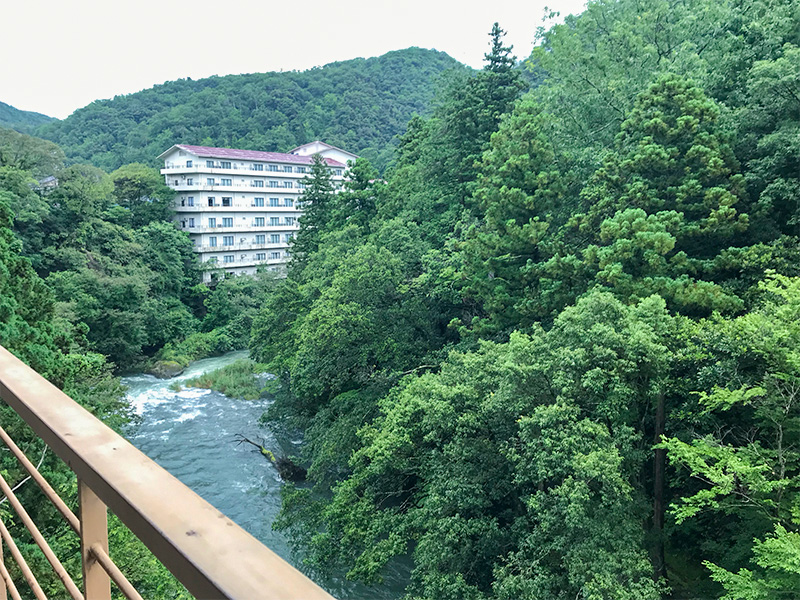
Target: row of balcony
<point x="273" y="246"/>
<point x="240" y="170"/>
<point x="247" y="262"/>
<point x="199" y="208"/>
<point x="202" y="168"/>
<point x="231" y="228"/>
<point x="240" y="187"/>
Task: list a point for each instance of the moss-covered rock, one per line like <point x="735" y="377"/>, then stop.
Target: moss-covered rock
<point x="165" y="369"/>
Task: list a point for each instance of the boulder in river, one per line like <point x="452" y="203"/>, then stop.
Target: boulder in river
<point x="165" y="369"/>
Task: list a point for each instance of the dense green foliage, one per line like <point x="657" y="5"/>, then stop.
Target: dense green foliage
<point x="21" y="120"/>
<point x="63" y="351"/>
<point x="359" y="104"/>
<point x="552" y="355"/>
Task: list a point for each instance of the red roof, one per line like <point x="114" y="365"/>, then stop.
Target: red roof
<point x="233" y="153"/>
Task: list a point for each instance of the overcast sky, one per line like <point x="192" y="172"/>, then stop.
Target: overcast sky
<point x="60" y="56"/>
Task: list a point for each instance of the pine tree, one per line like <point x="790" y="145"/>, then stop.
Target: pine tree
<point x="316" y="200"/>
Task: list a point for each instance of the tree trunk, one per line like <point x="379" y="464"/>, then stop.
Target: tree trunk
<point x="659" y="464"/>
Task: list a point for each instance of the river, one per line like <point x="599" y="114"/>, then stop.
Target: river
<point x="191" y="433"/>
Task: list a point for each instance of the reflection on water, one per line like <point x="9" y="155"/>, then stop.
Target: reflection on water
<point x="191" y="434"/>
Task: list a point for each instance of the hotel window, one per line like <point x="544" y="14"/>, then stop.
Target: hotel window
<point x="226" y="182"/>
<point x="212" y="241"/>
<point x="274" y="221"/>
<point x="274" y="202"/>
<point x="301" y="185"/>
<point x="191" y="200"/>
<point x="273" y="167"/>
<point x="258" y="183"/>
<point x="288" y="184"/>
<point x="258" y="167"/>
<point x="183" y="201"/>
<point x="259" y="221"/>
<point x="227" y="240"/>
<point x="288" y="202"/>
<point x="209" y="163"/>
<point x="189" y="181"/>
<point x="191" y="222"/>
<point x="209" y="181"/>
<point x="260" y="239"/>
<point x="275" y="238"/>
<point x="274" y="255"/>
<point x="228" y="258"/>
<point x="211" y="200"/>
<point x="258" y="202"/>
<point x="299" y="169"/>
<point x="188" y="163"/>
<point x="227" y="221"/>
<point x="261" y="256"/>
<point x="225" y="165"/>
<point x="176" y="182"/>
<point x="287" y="168"/>
<point x="273" y="184"/>
<point x="338" y="172"/>
<point x="289" y="237"/>
<point x="290" y="220"/>
<point x="212" y="221"/>
<point x="227" y="201"/>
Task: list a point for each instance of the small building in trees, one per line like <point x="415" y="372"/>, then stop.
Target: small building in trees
<point x="48" y="183"/>
<point x="240" y="207"/>
<point x="326" y="151"/>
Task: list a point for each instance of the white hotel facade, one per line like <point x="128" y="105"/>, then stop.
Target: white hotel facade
<point x="240" y="207"/>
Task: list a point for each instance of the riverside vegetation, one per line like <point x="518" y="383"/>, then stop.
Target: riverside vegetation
<point x="553" y="352"/>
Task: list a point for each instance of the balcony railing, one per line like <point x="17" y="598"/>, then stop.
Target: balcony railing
<point x="250" y="208"/>
<point x="219" y="228"/>
<point x="248" y="262"/>
<point x="208" y="553"/>
<point x="266" y="246"/>
<point x="239" y="187"/>
<point x="203" y="168"/>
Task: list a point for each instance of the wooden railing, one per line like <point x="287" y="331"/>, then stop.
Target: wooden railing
<point x="207" y="552"/>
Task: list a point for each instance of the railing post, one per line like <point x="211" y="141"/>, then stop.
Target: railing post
<point x="94" y="530"/>
<point x="3" y="595"/>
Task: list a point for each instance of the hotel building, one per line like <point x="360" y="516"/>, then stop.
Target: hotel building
<point x="240" y="207"/>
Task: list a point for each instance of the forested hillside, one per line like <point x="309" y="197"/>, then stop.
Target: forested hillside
<point x="359" y="105"/>
<point x="21" y="120"/>
<point x="553" y="354"/>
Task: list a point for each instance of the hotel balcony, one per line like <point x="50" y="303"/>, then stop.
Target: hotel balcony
<point x="198" y="208"/>
<point x="249" y="246"/>
<point x="246" y="228"/>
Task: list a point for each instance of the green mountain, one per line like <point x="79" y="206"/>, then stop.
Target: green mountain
<point x="21" y="120"/>
<point x="359" y="104"/>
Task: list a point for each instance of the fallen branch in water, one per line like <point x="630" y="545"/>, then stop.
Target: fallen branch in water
<point x="287" y="469"/>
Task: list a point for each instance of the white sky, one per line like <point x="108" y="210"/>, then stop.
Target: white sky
<point x="56" y="56"/>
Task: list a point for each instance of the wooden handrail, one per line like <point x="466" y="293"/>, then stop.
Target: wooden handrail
<point x="211" y="555"/>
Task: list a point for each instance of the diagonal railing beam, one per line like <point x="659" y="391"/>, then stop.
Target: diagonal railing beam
<point x="21" y="563"/>
<point x="38" y="538"/>
<point x="46" y="488"/>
